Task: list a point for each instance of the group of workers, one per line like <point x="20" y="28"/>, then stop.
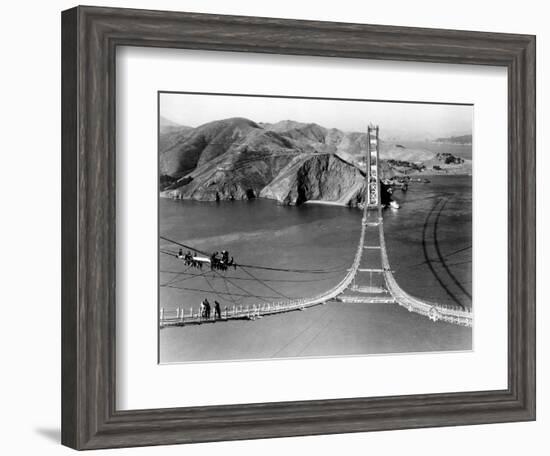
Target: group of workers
<point x="221" y="261"/>
<point x="218" y="260"/>
<point x="206" y="310"/>
<point x="189" y="259"/>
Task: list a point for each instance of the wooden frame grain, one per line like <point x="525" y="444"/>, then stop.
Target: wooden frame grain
<point x="90" y="36"/>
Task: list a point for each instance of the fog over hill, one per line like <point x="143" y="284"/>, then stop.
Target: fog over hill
<point x="291" y="162"/>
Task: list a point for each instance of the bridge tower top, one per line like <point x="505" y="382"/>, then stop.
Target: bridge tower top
<point x="373" y="182"/>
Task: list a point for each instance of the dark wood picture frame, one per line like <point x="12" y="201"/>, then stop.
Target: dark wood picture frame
<point x="90" y="36"/>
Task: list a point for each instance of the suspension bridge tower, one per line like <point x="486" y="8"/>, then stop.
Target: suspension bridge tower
<point x="368" y="284"/>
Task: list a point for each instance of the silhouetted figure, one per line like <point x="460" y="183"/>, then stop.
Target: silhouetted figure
<point x="214" y="260"/>
<point x="217" y="310"/>
<point x="188" y="258"/>
<point x="207" y="308"/>
<point x="225" y="256"/>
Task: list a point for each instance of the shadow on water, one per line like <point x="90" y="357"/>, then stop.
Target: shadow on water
<point x="428" y="260"/>
<point x="442" y="259"/>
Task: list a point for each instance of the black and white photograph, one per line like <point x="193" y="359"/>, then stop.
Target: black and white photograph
<point x="297" y="227"/>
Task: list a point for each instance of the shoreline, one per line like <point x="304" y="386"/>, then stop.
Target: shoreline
<point x="418" y="175"/>
<point x="327" y="203"/>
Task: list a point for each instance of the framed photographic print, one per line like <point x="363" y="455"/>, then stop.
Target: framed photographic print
<point x="280" y="228"/>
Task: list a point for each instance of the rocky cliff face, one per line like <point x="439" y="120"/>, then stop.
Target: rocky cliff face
<point x="323" y="177"/>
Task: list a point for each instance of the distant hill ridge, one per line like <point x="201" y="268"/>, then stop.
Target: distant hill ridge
<point x="462" y="139"/>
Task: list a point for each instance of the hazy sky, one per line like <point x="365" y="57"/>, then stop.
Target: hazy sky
<point x="400" y="120"/>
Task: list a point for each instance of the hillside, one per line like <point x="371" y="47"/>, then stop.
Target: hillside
<point x="167" y="124"/>
<point x="183" y="150"/>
